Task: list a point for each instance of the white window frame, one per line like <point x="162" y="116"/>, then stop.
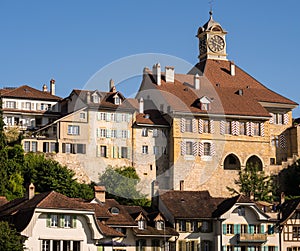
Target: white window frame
<point x="73" y="130"/>
<point x="145" y="149"/>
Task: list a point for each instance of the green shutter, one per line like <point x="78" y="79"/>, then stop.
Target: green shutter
<point x="237" y="228"/>
<point x="262" y="228"/>
<point x="74" y="218"/>
<point x="61" y="219"/>
<point x="251" y="229"/>
<point x="266" y="248"/>
<point x="276" y="248"/>
<point x="224" y="228"/>
<point x="48" y="221"/>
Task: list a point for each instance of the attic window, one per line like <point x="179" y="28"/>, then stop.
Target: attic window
<point x="115" y="210"/>
<point x="160" y="225"/>
<point x="117" y="100"/>
<point x="204" y="103"/>
<point x="204" y="107"/>
<point x="141" y="224"/>
<point x="95" y="98"/>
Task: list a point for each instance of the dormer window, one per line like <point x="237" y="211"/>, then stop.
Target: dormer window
<point x="160" y="225"/>
<point x="141" y="224"/>
<point x="95" y="98"/>
<point x="204" y="103"/>
<point x="115" y="210"/>
<point x="117" y="100"/>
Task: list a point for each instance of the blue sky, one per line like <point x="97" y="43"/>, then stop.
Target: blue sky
<point x="70" y="41"/>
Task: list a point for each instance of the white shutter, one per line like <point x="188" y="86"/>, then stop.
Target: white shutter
<point x="252" y="128"/>
<point x="194" y="125"/>
<point x="201" y="149"/>
<point x="182" y="125"/>
<point x="108" y="116"/>
<point x="195" y="148"/>
<point x="262" y="129"/>
<point x="98" y="132"/>
<point x="200" y="126"/>
<point x="128" y="134"/>
<point x="108" y="133"/>
<point x="248" y="128"/>
<point x="98" y="115"/>
<point x="183" y="147"/>
<point x="272" y="118"/>
<point x="222" y="127"/>
<point x="285" y="119"/>
<point x="212" y="126"/>
<point x="212" y="149"/>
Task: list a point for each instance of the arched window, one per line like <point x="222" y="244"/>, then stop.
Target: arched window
<point x="254" y="161"/>
<point x="232" y="162"/>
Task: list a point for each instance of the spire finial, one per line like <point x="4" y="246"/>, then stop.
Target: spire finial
<point x="211" y="7"/>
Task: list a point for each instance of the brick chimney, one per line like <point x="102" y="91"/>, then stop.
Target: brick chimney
<point x="52" y="86"/>
<point x="141" y="105"/>
<point x="45" y="88"/>
<point x="232" y="68"/>
<point x="197" y="82"/>
<point x="112" y="87"/>
<point x="170" y="74"/>
<point x="99" y="192"/>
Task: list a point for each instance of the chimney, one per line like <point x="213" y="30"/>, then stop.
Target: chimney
<point x="45" y="88"/>
<point x="52" y="86"/>
<point x="99" y="192"/>
<point x="30" y="191"/>
<point x="170" y="74"/>
<point x="88" y="97"/>
<point x="282" y="198"/>
<point x="141" y="105"/>
<point x="156" y="70"/>
<point x="232" y="68"/>
<point x="197" y="82"/>
<point x="112" y="87"/>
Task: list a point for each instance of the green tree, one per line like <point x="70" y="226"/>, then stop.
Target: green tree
<point x="47" y="175"/>
<point x="10" y="240"/>
<point x="121" y="185"/>
<point x="251" y="181"/>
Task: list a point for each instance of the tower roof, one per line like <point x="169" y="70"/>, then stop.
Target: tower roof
<point x="211" y="25"/>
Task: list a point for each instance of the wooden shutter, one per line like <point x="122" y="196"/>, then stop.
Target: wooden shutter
<point x="108" y="117"/>
<point x="282" y="141"/>
<point x="262" y="129"/>
<point x="195" y="148"/>
<point x="183" y="147"/>
<point x="194" y="125"/>
<point x="48" y="221"/>
<point x="201" y="149"/>
<point x="200" y="125"/>
<point x="74" y="221"/>
<point x="224" y="226"/>
<point x="212" y="126"/>
<point x="285" y="119"/>
<point x="271" y="121"/>
<point x="61" y="220"/>
<point x="248" y="128"/>
<point x="212" y="149"/>
<point x="222" y="127"/>
<point x="182" y="125"/>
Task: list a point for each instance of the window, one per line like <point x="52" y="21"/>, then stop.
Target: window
<point x="125" y="134"/>
<point x="207" y="149"/>
<point x="271" y="229"/>
<point x="145" y="149"/>
<point x="256" y="131"/>
<point x="82" y="115"/>
<point x="9" y="121"/>
<point x="27" y="146"/>
<point x="27" y="105"/>
<point x="229" y="229"/>
<point x="229" y="248"/>
<point x="73" y="130"/>
<point x="206" y="128"/>
<point x="155" y="150"/>
<point x="195" y="226"/>
<point x="188" y="125"/>
<point x="102" y="133"/>
<point x="95" y="98"/>
<point x="206" y="245"/>
<point x="44" y="107"/>
<point x="113" y="117"/>
<point x="113" y="133"/>
<point x="34" y="146"/>
<point x="81" y="148"/>
<point x="155" y="133"/>
<point x="141" y="245"/>
<point x="124" y="152"/>
<point x="296" y="232"/>
<point x="103" y="151"/>
<point x="256" y="229"/>
<point x="242" y="126"/>
<point x="67" y="221"/>
<point x="145" y="132"/>
<point x="228" y="127"/>
<point x="189" y="148"/>
<point x="117" y="101"/>
<point x="241" y="211"/>
<point x="244" y="229"/>
<point x="141" y="224"/>
<point x="155" y="245"/>
<point x="181" y="225"/>
<point x="205" y="227"/>
<point x="204" y="107"/>
<point x="46" y="245"/>
<point x="11" y="104"/>
<point x="160" y="225"/>
<point x="54" y="220"/>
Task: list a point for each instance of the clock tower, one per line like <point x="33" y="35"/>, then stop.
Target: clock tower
<point x="212" y="43"/>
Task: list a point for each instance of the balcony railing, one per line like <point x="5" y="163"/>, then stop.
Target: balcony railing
<point x="252" y="237"/>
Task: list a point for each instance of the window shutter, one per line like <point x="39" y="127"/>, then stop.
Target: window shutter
<point x="48" y="221"/>
<point x="262" y="129"/>
<point x="224" y="248"/>
<point x="98" y="132"/>
<point x="23" y="105"/>
<point x="108" y="117"/>
<point x="108" y="152"/>
<point x="32" y="106"/>
<point x="224" y="226"/>
<point x="252" y="128"/>
<point x="119" y="134"/>
<point x="195" y="148"/>
<point x="276" y="248"/>
<point x="222" y="127"/>
<point x="128" y="153"/>
<point x="200" y="124"/>
<point x="233" y="131"/>
<point x="212" y="126"/>
<point x="248" y="128"/>
<point x="119" y="117"/>
<point x="74" y="221"/>
<point x="285" y="119"/>
<point x="271" y="121"/>
<point x="237" y="228"/>
<point x="194" y="125"/>
<point x="63" y="147"/>
<point x="183" y="148"/>
<point x="98" y="115"/>
<point x="251" y="229"/>
<point x="61" y="220"/>
<point x="182" y="125"/>
<point x="119" y="152"/>
<point x="128" y="134"/>
<point x="201" y="149"/>
<point x="265" y="248"/>
<point x="108" y="133"/>
<point x="282" y="141"/>
<point x="262" y="228"/>
<point x="98" y="151"/>
<point x="212" y="149"/>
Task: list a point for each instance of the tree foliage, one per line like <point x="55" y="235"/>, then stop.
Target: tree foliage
<point x="121" y="185"/>
<point x="47" y="175"/>
<point x="10" y="240"/>
<point x="251" y="181"/>
<point x="289" y="180"/>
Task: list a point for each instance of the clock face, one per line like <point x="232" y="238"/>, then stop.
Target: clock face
<point x="216" y="43"/>
<point x="202" y="46"/>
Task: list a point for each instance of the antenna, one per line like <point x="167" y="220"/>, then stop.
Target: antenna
<point x="211" y="6"/>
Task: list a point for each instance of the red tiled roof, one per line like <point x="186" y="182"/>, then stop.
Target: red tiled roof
<point x="27" y="92"/>
<point x="151" y="117"/>
<point x="186" y="204"/>
<point x="217" y="84"/>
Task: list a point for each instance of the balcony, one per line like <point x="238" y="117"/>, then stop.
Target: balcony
<point x="251" y="238"/>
